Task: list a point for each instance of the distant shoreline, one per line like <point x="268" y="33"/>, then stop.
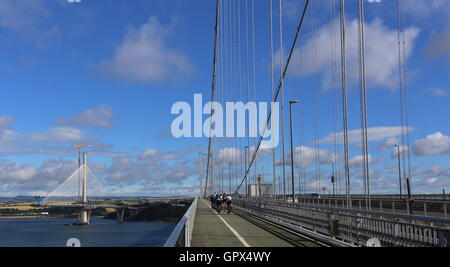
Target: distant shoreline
<point x="41" y="217"/>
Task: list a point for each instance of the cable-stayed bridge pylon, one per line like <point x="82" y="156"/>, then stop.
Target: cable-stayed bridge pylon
<point x="83" y="190"/>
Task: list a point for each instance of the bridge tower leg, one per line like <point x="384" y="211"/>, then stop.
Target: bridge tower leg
<point x="85" y="178"/>
<point x="120" y="215"/>
<point x="84" y="217"/>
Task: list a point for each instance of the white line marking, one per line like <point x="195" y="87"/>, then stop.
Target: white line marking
<point x="231" y="229"/>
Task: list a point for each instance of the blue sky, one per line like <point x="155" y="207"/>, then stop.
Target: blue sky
<point x="107" y="73"/>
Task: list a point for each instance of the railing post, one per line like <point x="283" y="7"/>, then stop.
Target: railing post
<point x="396" y="233"/>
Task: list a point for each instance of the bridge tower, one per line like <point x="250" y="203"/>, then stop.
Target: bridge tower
<point x="85" y="214"/>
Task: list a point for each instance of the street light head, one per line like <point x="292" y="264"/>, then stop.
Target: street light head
<point x="294" y="102"/>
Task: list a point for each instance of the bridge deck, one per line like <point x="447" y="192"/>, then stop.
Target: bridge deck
<point x="213" y="230"/>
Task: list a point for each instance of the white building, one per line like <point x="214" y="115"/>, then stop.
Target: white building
<point x="260" y="190"/>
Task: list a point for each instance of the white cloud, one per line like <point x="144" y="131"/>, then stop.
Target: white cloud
<point x="435" y="144"/>
<point x="357" y="161"/>
<point x="150" y="153"/>
<point x="99" y="117"/>
<point x="381" y="52"/>
<point x="58" y="135"/>
<point x="438" y="92"/>
<point x="305" y="156"/>
<point x="22" y="14"/>
<point x="54" y="135"/>
<point x="375" y="134"/>
<point x="292" y="9"/>
<point x="130" y="176"/>
<point x="6" y="122"/>
<point x="145" y="56"/>
<point x="438" y="47"/>
<point x="28" y="18"/>
<point x="395" y="151"/>
<point x="28" y="178"/>
<point x="423" y="9"/>
<point x="230" y="154"/>
<point x="389" y="143"/>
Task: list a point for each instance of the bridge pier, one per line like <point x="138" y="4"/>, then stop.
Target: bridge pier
<point x="120" y="215"/>
<point x="84" y="217"/>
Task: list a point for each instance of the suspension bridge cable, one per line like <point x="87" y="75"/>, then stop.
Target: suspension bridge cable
<point x="240" y="79"/>
<point x="316" y="101"/>
<point x="272" y="77"/>
<point x="302" y="170"/>
<point x="405" y="88"/>
<point x="334" y="88"/>
<point x="254" y="79"/>
<point x="277" y="91"/>
<point x="247" y="74"/>
<point x="213" y="88"/>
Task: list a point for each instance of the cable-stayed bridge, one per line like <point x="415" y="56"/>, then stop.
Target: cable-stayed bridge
<point x="83" y="190"/>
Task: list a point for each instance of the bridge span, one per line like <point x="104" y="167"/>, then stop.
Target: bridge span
<point x="84" y="191"/>
<point x="265" y="223"/>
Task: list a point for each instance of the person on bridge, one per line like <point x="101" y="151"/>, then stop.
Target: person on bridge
<point x="219" y="203"/>
<point x="213" y="199"/>
<point x="228" y="202"/>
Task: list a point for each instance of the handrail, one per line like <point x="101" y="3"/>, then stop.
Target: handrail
<point x="353" y="226"/>
<point x="182" y="234"/>
<point x="367" y="212"/>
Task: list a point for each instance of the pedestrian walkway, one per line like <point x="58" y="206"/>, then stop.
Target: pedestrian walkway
<point x="229" y="230"/>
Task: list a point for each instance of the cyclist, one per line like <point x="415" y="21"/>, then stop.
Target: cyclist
<point x="228" y="202"/>
<point x="213" y="200"/>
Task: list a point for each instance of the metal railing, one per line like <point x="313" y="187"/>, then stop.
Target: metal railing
<point x="355" y="227"/>
<point x="182" y="234"/>
<point x="432" y="208"/>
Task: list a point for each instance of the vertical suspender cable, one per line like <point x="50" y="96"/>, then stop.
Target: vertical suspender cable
<point x="344" y="102"/>
<point x="408" y="140"/>
<point x="335" y="97"/>
<point x="364" y="120"/>
<point x="400" y="77"/>
<point x="282" y="101"/>
<point x="240" y="77"/>
<point x="278" y="90"/>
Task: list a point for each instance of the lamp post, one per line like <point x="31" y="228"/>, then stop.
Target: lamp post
<point x="79" y="147"/>
<point x="246" y="169"/>
<point x="399" y="170"/>
<point x="292" y="102"/>
<point x="229" y="165"/>
<point x="200" y="154"/>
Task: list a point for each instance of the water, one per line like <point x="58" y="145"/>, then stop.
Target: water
<point x="101" y="233"/>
